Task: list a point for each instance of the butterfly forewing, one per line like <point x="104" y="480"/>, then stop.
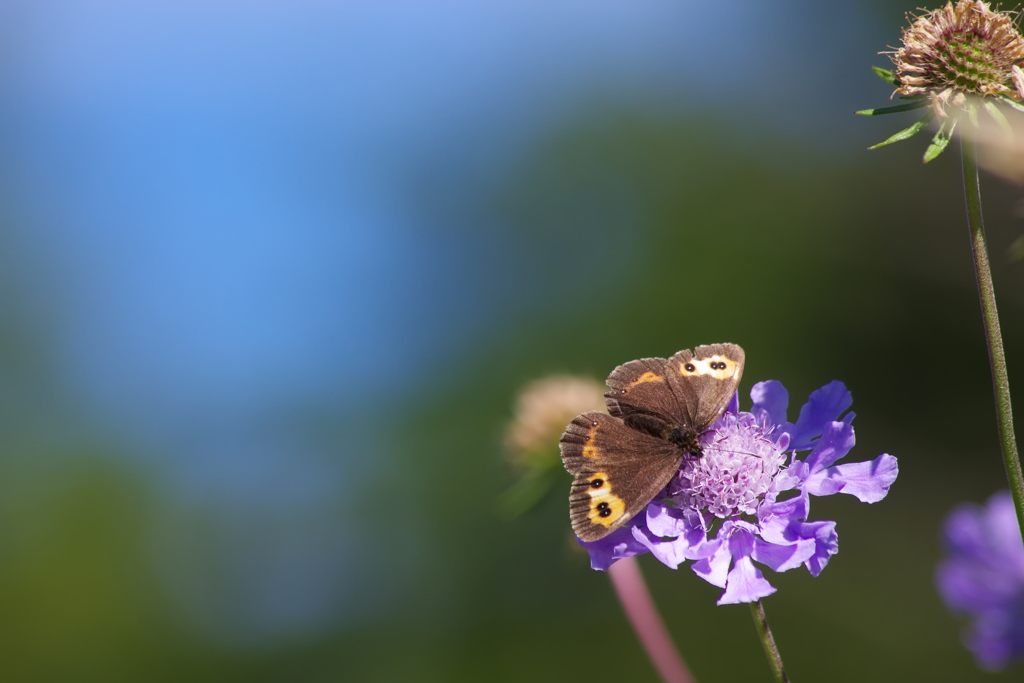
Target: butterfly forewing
<point x="705" y="382"/>
<point x="642" y="387"/>
<point x="617" y="471"/>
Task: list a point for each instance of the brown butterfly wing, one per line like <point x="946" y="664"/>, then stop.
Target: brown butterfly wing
<point x="618" y="471"/>
<point x="642" y="387"/>
<point x="705" y="382"/>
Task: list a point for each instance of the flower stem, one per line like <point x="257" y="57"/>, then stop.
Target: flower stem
<point x="770" y="650"/>
<point x="990" y="317"/>
<point x="643" y="615"/>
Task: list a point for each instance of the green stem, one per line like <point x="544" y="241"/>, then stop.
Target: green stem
<point x="996" y="357"/>
<point x="770" y="650"/>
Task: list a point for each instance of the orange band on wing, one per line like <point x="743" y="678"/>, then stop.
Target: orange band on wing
<point x="647" y="377"/>
<point x="589" y="449"/>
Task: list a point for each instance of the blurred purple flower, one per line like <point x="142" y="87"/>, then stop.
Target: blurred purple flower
<point x="725" y="510"/>
<point x="983" y="575"/>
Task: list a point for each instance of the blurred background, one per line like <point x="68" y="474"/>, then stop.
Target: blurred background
<point x="272" y="273"/>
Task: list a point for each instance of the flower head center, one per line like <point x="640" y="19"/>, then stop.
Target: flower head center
<point x="960" y="50"/>
<point x="737" y="467"/>
<point x="968" y="63"/>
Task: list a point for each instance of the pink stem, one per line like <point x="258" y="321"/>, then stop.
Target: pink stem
<point x="643" y="615"/>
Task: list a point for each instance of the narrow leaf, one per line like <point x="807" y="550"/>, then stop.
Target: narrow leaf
<point x="525" y="493"/>
<point x="1013" y="103"/>
<point x="891" y="110"/>
<point x="998" y="117"/>
<point x="906" y="132"/>
<point x="885" y="75"/>
<point x="939" y="143"/>
<point x="972" y="113"/>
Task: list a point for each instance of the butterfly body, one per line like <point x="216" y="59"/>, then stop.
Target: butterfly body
<point x="687" y="440"/>
<point x="657" y="410"/>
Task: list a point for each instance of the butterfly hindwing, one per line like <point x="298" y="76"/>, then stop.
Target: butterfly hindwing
<point x="705" y="382"/>
<point x="617" y="471"/>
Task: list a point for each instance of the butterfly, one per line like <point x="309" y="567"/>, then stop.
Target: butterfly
<point x="657" y="410"/>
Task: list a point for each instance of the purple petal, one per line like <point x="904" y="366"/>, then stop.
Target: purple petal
<point x="672" y="535"/>
<point x="826" y="543"/>
<point x="776" y="517"/>
<point x="770" y="400"/>
<point x="984" y="567"/>
<point x="781" y="524"/>
<point x="741" y="537"/>
<point x="835" y="442"/>
<point x="687" y="528"/>
<point x="820" y="485"/>
<point x="983" y="534"/>
<point x="983" y="575"/>
<point x="789" y="478"/>
<point x="868" y="481"/>
<point x="964" y="531"/>
<point x="745" y="584"/>
<point x="782" y="558"/>
<point x="672" y="522"/>
<point x="824" y="405"/>
<point x="615" y="546"/>
<point x="670" y="552"/>
<point x="1003" y="529"/>
<point x="966" y="589"/>
<point x="995" y="645"/>
<point x="734" y="404"/>
<point x="715" y="568"/>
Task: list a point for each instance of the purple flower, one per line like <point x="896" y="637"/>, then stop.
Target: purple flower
<point x="745" y="501"/>
<point x="983" y="575"/>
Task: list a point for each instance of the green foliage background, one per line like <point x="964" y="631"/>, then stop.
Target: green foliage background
<point x="854" y="269"/>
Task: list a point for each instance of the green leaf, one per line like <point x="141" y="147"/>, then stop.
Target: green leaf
<point x="939" y="142"/>
<point x="891" y="110"/>
<point x="972" y="113"/>
<point x="906" y="132"/>
<point x="1014" y="103"/>
<point x="885" y="75"/>
<point x="998" y="117"/>
<point x="525" y="493"/>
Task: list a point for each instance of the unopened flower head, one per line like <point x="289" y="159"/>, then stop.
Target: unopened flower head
<point x="961" y="58"/>
<point x="746" y="500"/>
<point x="542" y="409"/>
<point x="531" y="438"/>
<point x="959" y="51"/>
<point x="983" y="575"/>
